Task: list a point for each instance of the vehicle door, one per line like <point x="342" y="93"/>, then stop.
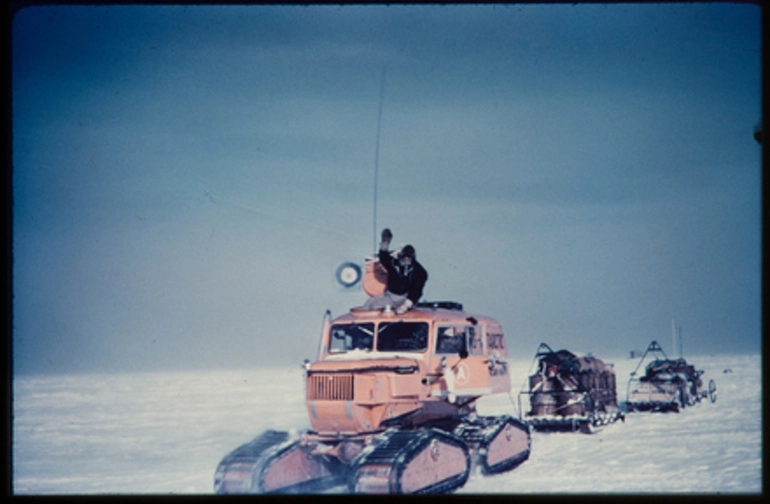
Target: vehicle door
<point x="459" y="360"/>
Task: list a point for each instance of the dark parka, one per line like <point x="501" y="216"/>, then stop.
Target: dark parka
<point x="403" y="279"/>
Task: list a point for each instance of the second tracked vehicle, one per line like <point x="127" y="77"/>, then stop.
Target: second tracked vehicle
<point x="667" y="384"/>
<point x="391" y="401"/>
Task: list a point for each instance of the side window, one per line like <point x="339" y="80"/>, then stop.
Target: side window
<point x="475" y="345"/>
<point x="451" y="339"/>
<point x="346" y="337"/>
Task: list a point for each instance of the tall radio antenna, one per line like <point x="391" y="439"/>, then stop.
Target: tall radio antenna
<point x="377" y="155"/>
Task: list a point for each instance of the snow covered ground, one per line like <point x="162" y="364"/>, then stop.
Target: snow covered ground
<point x="165" y="433"/>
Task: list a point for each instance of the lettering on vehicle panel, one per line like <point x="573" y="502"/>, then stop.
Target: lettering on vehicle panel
<point x="495" y="341"/>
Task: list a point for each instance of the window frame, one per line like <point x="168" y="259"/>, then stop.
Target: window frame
<point x="386" y="324"/>
<point x="363" y="325"/>
<point x="466" y="332"/>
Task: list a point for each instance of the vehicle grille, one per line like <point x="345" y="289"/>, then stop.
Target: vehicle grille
<point x="330" y="387"/>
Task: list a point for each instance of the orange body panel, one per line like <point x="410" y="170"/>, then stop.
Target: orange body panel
<point x="375" y="279"/>
<point x="357" y="390"/>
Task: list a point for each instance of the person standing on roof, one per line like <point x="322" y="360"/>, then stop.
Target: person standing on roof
<point x="406" y="278"/>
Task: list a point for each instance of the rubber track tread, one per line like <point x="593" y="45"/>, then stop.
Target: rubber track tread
<point x="400" y="447"/>
<point x="394" y="444"/>
<point x="248" y="453"/>
<point x="483" y="431"/>
<point x="260" y="454"/>
<point x="254" y="448"/>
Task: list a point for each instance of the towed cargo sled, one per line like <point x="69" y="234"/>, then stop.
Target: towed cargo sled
<point x="567" y="392"/>
<point x="667" y="384"/>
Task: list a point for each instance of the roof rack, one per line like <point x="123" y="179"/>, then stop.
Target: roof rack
<point x="447" y="305"/>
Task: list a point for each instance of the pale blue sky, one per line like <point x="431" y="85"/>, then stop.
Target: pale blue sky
<point x="187" y="178"/>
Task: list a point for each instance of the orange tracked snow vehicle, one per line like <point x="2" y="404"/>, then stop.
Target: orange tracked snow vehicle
<point x="667" y="384"/>
<point x="391" y="402"/>
<point x="567" y="392"/>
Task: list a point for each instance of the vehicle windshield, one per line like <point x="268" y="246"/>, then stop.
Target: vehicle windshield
<point x="346" y="337"/>
<point x="402" y="336"/>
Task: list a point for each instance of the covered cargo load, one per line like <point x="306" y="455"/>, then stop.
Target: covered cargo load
<point x="569" y="392"/>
